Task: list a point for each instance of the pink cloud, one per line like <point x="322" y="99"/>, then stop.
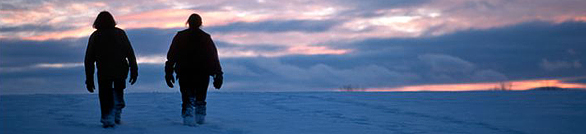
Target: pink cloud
<point x="291" y="50"/>
<point x="76" y="33"/>
<point x="314" y="50"/>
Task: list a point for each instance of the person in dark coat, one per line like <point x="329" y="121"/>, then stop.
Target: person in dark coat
<point x="110" y="49"/>
<point x="194" y="57"/>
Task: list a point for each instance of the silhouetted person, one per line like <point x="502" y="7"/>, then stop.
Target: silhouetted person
<point x="194" y="57"/>
<point x="110" y="49"/>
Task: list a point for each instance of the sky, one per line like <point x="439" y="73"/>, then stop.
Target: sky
<point x="306" y="45"/>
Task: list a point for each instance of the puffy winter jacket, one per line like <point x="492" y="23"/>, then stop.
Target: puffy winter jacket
<point x="193" y="52"/>
<point x="110" y="49"/>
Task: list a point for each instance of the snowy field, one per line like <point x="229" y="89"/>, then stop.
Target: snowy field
<point x="527" y="112"/>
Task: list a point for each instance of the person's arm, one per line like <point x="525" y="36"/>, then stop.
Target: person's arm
<point x="215" y="61"/>
<point x="89" y="65"/>
<point x="131" y="59"/>
<point x="217" y="68"/>
<point x="171" y="61"/>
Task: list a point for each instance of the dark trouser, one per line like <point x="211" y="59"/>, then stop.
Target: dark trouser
<point x="111" y="99"/>
<point x="193" y="91"/>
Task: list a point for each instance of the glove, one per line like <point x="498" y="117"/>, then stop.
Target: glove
<point x="170" y="80"/>
<point x="169" y="73"/>
<point x="133" y="77"/>
<point x="90" y="85"/>
<point x="218" y="80"/>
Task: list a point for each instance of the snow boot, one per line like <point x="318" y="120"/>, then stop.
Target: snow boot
<point x="108" y="121"/>
<point x="188" y="116"/>
<point x="187" y="113"/>
<point x="118" y="105"/>
<point x="200" y="112"/>
<point x="117" y="118"/>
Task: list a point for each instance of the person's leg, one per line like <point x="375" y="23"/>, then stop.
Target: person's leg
<point x="201" y="89"/>
<point x="186" y="88"/>
<point x="106" y="101"/>
<point x="119" y="103"/>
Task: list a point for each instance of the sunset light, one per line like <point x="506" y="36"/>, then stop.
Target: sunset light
<point x="293" y="66"/>
<point x="509" y="85"/>
<point x="441" y="45"/>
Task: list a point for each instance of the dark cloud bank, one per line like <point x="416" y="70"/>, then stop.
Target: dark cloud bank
<point x="531" y="50"/>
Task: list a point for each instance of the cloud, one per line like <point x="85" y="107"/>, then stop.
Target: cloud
<point x="19" y="53"/>
<point x="556" y="65"/>
<point x="6" y="6"/>
<point x="450" y="69"/>
<point x="368" y="7"/>
<point x="330" y="20"/>
<point x="500" y="49"/>
<point x="326" y="76"/>
<point x="446" y="63"/>
<point x="488" y="75"/>
<point x="151" y="41"/>
<point x="276" y="26"/>
<point x="29" y="27"/>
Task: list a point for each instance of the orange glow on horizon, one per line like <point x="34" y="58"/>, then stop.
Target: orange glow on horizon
<point x="514" y="85"/>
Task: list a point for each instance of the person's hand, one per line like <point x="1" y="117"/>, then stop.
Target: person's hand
<point x="90" y="85"/>
<point x="218" y="80"/>
<point x="170" y="80"/>
<point x="133" y="77"/>
<point x="169" y="73"/>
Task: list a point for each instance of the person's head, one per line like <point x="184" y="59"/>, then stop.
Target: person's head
<point x="194" y="21"/>
<point x="104" y="20"/>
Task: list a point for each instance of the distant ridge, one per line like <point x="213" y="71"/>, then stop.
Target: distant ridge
<point x="554" y="88"/>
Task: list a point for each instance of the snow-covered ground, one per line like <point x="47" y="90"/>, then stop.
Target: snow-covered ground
<point x="529" y="112"/>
